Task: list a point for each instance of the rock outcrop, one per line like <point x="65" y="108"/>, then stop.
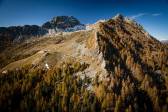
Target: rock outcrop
<point x="61" y="22"/>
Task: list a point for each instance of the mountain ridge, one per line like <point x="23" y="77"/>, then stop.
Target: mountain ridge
<point x="112" y="65"/>
<point x="21" y="33"/>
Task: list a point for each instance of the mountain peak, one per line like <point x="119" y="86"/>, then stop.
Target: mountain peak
<point x="61" y="22"/>
<point x="119" y="16"/>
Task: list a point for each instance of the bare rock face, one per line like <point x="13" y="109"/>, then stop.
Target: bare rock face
<point x="61" y="22"/>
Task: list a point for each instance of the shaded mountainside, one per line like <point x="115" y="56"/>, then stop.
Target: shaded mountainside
<point x="8" y="35"/>
<point x="114" y="66"/>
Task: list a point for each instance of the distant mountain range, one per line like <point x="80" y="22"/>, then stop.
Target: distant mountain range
<point x="57" y="24"/>
<point x="20" y="33"/>
<point x="165" y="41"/>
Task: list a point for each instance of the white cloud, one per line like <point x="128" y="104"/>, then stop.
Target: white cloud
<point x="145" y="14"/>
<point x="138" y="15"/>
<point x="156" y="14"/>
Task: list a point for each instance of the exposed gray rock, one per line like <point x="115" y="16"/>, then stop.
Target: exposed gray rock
<point x="61" y="22"/>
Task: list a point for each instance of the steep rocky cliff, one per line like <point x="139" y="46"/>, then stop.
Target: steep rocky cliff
<point x="61" y="22"/>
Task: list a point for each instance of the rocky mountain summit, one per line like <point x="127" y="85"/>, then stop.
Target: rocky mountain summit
<point x="8" y="35"/>
<point x="61" y="22"/>
<point x="112" y="65"/>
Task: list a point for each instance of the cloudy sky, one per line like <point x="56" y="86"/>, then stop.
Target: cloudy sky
<point x="152" y="14"/>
